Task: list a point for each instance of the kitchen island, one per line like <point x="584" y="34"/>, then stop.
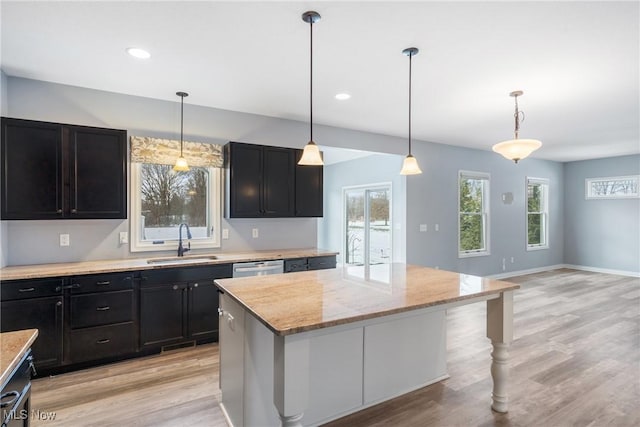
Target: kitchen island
<point x="306" y="348"/>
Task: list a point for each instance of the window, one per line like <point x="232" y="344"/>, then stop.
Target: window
<point x="367" y="213"/>
<point x="162" y="199"/>
<point x="537" y="213"/>
<point x="615" y="187"/>
<point x="473" y="218"/>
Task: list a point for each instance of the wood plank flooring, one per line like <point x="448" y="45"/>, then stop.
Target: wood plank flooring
<point x="575" y="361"/>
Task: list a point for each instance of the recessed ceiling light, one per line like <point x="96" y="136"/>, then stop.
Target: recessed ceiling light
<point x="138" y="53"/>
<point x="342" y="96"/>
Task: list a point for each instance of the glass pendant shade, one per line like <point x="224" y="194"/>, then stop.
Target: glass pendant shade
<point x="517" y="149"/>
<point x="410" y="166"/>
<point x="311" y="155"/>
<point x="181" y="165"/>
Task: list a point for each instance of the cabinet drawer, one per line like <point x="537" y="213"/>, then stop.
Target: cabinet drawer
<point x="22" y="289"/>
<point x="101" y="309"/>
<point x="295" y="264"/>
<point x="102" y="342"/>
<point x="185" y="274"/>
<point x="322" y="262"/>
<point x="101" y="283"/>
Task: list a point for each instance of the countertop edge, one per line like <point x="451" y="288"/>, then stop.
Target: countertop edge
<point x="43" y="271"/>
<point x="357" y="318"/>
<point x="25" y="338"/>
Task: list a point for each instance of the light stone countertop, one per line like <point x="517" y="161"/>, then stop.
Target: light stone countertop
<point x="13" y="346"/>
<point x="37" y="271"/>
<point x="298" y="302"/>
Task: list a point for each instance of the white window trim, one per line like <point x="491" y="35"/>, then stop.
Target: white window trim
<point x="213" y="213"/>
<point x="378" y="185"/>
<point x="486" y="213"/>
<point x="537" y="247"/>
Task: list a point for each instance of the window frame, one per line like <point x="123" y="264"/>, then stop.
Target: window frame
<point x="589" y="194"/>
<point x="544" y="212"/>
<point x="486" y="177"/>
<point x="214" y="213"/>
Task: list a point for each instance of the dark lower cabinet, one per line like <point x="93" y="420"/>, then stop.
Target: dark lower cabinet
<point x="162" y="314"/>
<point x="36" y="304"/>
<point x="311" y="263"/>
<point x="180" y="305"/>
<point x="16" y="394"/>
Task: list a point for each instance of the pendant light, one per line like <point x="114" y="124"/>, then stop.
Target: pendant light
<point x="311" y="154"/>
<point x="517" y="149"/>
<point x="181" y="163"/>
<point x="410" y="164"/>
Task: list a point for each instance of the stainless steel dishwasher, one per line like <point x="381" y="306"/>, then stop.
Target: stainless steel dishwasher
<point x="261" y="268"/>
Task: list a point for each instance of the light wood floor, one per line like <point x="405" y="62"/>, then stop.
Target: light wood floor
<point x="575" y="361"/>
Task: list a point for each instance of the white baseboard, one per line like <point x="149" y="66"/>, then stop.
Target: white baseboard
<point x="524" y="272"/>
<point x="557" y="266"/>
<point x="604" y="270"/>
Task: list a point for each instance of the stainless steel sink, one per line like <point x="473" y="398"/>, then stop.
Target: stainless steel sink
<point x="182" y="259"/>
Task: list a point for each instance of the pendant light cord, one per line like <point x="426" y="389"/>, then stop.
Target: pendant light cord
<point x="516" y="115"/>
<point x="410" y="56"/>
<point x="311" y="80"/>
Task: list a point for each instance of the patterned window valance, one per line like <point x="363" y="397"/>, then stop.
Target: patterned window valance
<point x="145" y="149"/>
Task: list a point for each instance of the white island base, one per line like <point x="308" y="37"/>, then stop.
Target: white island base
<point x="326" y="373"/>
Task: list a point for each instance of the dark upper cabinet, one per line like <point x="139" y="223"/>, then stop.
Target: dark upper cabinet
<point x="265" y="181"/>
<point x="57" y="171"/>
<point x="309" y="188"/>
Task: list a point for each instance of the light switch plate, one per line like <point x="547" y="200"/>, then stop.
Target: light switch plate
<point x="423" y="227"/>
<point x="225" y="233"/>
<point x="64" y="240"/>
<point x="124" y="238"/>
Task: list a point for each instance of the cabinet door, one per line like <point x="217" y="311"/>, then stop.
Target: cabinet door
<point x="203" y="310"/>
<point x="163" y="310"/>
<point x="32" y="170"/>
<point x="44" y="314"/>
<point x="245" y="169"/>
<point x="278" y="183"/>
<point x="309" y="187"/>
<point x="98" y="174"/>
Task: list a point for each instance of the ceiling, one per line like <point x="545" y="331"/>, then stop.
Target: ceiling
<point x="577" y="63"/>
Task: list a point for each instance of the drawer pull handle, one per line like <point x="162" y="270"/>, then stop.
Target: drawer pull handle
<point x="16" y="396"/>
<point x="26" y="289"/>
<point x="104" y="341"/>
<point x="106" y="282"/>
<point x="105" y="308"/>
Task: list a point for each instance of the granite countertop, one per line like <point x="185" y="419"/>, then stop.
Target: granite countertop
<point x="299" y="302"/>
<point x="37" y="271"/>
<point x="13" y="345"/>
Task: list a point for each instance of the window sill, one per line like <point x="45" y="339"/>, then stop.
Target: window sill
<point x="473" y="254"/>
<point x="537" y="247"/>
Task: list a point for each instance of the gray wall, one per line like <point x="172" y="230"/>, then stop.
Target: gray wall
<point x="601" y="233"/>
<point x="433" y="199"/>
<point x="372" y="169"/>
<point x="3" y="225"/>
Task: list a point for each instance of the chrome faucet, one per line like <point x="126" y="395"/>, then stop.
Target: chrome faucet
<point x="182" y="249"/>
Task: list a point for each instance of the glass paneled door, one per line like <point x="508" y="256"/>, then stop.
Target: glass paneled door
<point x="367" y="225"/>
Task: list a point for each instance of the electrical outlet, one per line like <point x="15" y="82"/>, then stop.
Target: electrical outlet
<point x="512" y="260"/>
<point x="504" y="264"/>
<point x="255" y="233"/>
<point x="423" y="227"/>
<point x="437" y="227"/>
<point x="64" y="240"/>
<point x="225" y="233"/>
<point x="124" y="238"/>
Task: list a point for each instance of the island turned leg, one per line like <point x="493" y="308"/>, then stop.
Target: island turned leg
<point x="500" y="332"/>
<point x="290" y="378"/>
